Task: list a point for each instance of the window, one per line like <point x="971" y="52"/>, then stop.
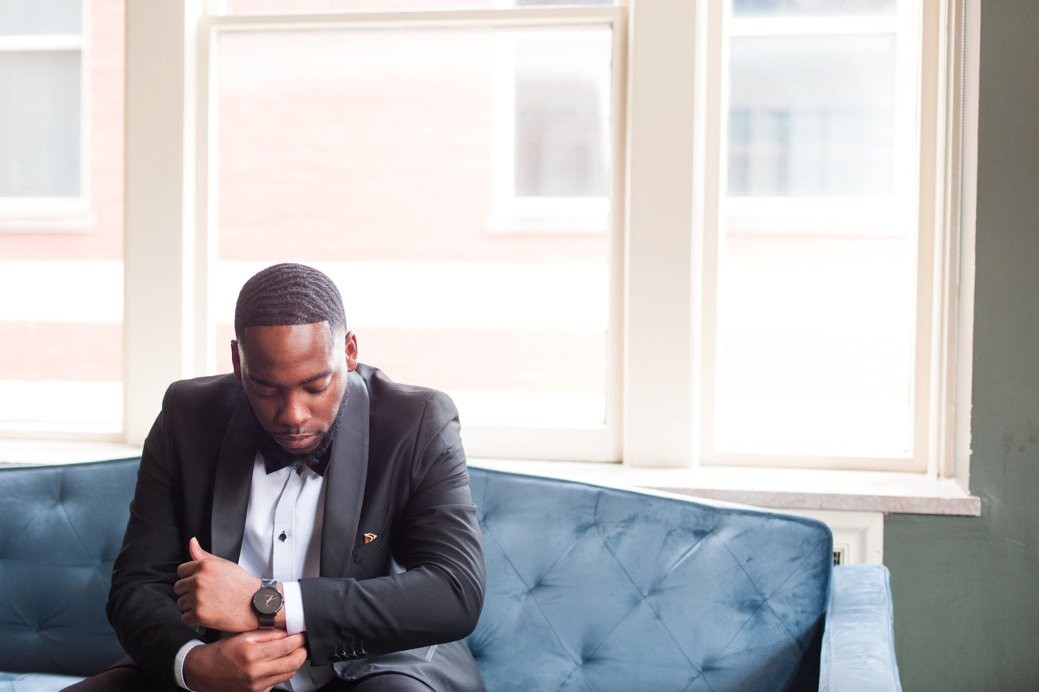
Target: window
<point x="776" y="280"/>
<point x="816" y="290"/>
<point x="61" y="271"/>
<point x="43" y="166"/>
<point x="817" y="177"/>
<point x="366" y="145"/>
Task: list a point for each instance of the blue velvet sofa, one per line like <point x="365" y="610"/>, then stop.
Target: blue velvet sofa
<point x="588" y="588"/>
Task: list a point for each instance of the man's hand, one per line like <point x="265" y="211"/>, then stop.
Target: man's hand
<point x="252" y="661"/>
<point x="214" y="592"/>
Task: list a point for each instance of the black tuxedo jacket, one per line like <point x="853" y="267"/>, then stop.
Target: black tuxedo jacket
<point x="400" y="602"/>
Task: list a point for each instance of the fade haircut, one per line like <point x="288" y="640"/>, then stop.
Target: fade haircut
<point x="289" y="294"/>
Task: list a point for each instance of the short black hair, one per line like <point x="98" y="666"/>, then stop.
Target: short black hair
<point x="289" y="294"/>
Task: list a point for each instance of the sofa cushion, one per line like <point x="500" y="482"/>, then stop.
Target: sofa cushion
<point x="608" y="589"/>
<point x="63" y="526"/>
<point x="35" y="682"/>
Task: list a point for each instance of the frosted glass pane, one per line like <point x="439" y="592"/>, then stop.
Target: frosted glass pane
<point x="40" y="124"/>
<point x="812" y="116"/>
<point x="40" y="17"/>
<point x="816" y="301"/>
<point x="815" y="345"/>
<point x="382" y="156"/>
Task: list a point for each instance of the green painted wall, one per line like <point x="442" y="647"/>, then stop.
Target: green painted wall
<point x="967" y="589"/>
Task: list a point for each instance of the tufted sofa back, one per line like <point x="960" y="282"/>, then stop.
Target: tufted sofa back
<point x="60" y="530"/>
<point x="590" y="588"/>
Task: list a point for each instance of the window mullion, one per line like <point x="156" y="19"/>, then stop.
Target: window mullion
<point x="159" y="261"/>
<point x="659" y="333"/>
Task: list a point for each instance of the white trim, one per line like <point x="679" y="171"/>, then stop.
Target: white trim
<point x="857" y="536"/>
<point x="160" y="196"/>
<point x="407" y="19"/>
<point x="658" y="329"/>
<point x="970" y="21"/>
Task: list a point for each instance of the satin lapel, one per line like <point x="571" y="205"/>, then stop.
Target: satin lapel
<point x="233" y="480"/>
<point x="344" y="479"/>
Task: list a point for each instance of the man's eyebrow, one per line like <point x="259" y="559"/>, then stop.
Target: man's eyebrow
<point x="313" y="378"/>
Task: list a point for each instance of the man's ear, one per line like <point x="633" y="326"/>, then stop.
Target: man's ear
<point x="236" y="359"/>
<point x="351" y="351"/>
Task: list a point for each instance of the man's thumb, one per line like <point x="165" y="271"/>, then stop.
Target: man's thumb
<point x="195" y="550"/>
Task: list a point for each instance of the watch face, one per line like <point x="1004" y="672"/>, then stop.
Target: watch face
<point x="267" y="601"/>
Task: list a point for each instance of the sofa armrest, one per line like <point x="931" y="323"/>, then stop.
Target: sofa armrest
<point x="858" y="650"/>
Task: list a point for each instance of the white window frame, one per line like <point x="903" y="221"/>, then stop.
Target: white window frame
<point x="658" y="265"/>
<point x="668" y="272"/>
<point x="741" y="213"/>
<point x="71" y="212"/>
<point x="186" y="206"/>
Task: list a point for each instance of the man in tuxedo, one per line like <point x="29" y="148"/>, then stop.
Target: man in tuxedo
<point x="302" y="524"/>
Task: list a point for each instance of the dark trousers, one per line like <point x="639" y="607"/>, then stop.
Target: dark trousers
<point x="125" y="676"/>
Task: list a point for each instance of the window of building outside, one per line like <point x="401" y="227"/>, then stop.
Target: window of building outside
<point x="61" y="234"/>
<point x="768" y="284"/>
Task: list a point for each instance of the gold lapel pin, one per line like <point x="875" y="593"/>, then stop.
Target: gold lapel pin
<point x="369" y="537"/>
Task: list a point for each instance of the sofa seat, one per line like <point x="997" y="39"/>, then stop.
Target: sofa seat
<point x="588" y="588"/>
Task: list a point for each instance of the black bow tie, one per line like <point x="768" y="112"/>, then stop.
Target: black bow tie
<point x="315" y="461"/>
<point x="275" y="458"/>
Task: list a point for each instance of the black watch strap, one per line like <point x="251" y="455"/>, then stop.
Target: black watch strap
<point x="267" y="601"/>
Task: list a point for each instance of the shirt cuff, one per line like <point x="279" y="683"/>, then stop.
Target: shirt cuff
<point x="293" y="600"/>
<point x="178" y="663"/>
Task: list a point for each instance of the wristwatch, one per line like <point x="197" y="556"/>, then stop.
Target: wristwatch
<point x="267" y="602"/>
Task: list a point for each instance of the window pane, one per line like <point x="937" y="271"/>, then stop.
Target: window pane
<point x="816" y="302"/>
<point x="61" y="368"/>
<point x="815" y="345"/>
<point x="561" y="130"/>
<point x="812" y="115"/>
<point x="39" y="137"/>
<point x="371" y="154"/>
<point x="40" y="17"/>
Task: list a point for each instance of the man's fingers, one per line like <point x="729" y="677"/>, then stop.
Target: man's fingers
<point x="280" y="643"/>
<point x="267" y="635"/>
<point x="291" y="643"/>
<point x="195" y="550"/>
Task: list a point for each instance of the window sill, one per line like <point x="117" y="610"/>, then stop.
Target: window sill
<point x="791" y="489"/>
<point x="39" y="452"/>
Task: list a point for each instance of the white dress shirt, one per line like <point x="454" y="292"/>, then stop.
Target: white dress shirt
<point x="282" y="541"/>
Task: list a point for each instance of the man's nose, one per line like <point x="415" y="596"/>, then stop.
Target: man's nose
<point x="294" y="411"/>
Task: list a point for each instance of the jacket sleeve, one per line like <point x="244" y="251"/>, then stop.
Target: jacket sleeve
<point x="434" y="539"/>
<point x="141" y="604"/>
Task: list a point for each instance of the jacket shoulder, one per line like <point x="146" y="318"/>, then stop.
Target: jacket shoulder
<point x="404" y="401"/>
<point x="214" y="390"/>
